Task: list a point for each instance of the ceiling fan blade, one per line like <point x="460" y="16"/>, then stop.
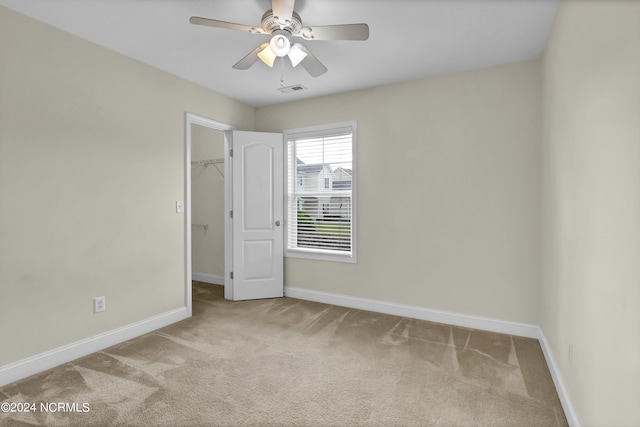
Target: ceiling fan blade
<point x="283" y="9"/>
<point x="224" y="24"/>
<point x="310" y="63"/>
<point x="335" y="32"/>
<point x="246" y="62"/>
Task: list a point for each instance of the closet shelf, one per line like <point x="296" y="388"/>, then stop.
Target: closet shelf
<point x="206" y="163"/>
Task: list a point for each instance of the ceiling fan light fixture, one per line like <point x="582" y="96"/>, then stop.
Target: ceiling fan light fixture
<point x="296" y="54"/>
<point x="280" y="44"/>
<point x="267" y="56"/>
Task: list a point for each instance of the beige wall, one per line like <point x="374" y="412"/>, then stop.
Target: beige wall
<point x="207" y="203"/>
<point x="591" y="216"/>
<point x="91" y="164"/>
<point x="448" y="181"/>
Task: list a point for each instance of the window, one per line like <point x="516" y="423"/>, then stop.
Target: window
<point x="321" y="189"/>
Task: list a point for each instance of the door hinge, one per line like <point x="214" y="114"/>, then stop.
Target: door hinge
<point x="231" y="153"/>
<point x="230" y="214"/>
<point x="232" y="275"/>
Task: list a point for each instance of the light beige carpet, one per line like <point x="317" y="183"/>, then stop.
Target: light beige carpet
<point x="291" y="362"/>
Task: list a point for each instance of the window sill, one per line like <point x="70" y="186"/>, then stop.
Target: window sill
<point x="320" y="255"/>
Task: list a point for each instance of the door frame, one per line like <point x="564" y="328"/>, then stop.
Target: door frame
<point x="194" y="119"/>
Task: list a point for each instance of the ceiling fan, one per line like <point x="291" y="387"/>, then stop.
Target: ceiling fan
<point x="284" y="24"/>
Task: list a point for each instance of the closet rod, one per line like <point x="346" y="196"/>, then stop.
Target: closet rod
<point x="200" y="226"/>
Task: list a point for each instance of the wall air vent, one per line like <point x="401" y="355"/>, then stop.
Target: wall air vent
<point x="294" y="88"/>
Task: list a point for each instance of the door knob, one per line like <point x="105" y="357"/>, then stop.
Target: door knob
<point x="277" y="223"/>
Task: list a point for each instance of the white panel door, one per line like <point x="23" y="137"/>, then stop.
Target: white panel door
<point x="257" y="215"/>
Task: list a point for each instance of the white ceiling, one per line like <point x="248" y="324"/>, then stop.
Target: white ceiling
<point x="409" y="39"/>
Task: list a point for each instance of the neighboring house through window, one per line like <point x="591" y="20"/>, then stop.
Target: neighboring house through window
<point x="321" y="185"/>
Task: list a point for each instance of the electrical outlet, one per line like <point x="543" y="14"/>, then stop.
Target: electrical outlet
<point x="570" y="353"/>
<point x="98" y="305"/>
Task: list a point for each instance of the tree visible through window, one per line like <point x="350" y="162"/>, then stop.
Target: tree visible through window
<point x="320" y="192"/>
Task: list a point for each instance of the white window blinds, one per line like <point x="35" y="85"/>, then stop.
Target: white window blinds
<point x="320" y="192"/>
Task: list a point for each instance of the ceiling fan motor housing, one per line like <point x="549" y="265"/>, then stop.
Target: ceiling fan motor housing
<point x="270" y="24"/>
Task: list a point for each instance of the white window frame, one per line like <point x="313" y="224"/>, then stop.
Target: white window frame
<point x="318" y="131"/>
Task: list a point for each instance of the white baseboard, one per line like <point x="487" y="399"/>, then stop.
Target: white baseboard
<point x="450" y="318"/>
<point x="41" y="362"/>
<point x="422" y="313"/>
<point x="50" y="359"/>
<point x="208" y="278"/>
<point x="563" y="394"/>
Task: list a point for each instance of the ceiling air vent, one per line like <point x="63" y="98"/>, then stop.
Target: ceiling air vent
<point x="294" y="88"/>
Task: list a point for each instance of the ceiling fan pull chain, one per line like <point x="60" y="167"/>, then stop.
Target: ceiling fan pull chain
<point x="282" y="71"/>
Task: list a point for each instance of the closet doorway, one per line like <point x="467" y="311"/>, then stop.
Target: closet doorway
<point x="234" y="233"/>
<point x="207" y="205"/>
<point x="207" y="192"/>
